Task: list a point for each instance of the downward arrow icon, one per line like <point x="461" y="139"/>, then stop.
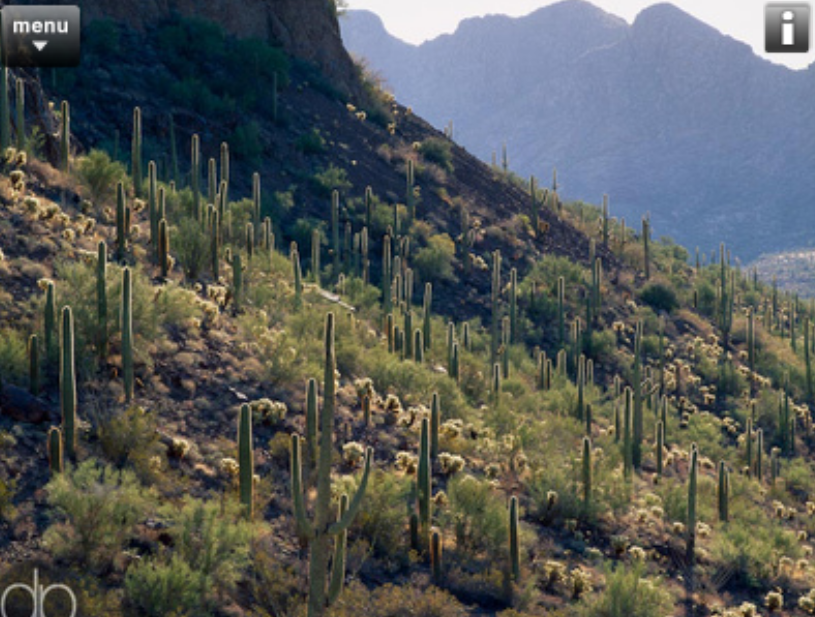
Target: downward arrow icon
<point x="40" y="44"/>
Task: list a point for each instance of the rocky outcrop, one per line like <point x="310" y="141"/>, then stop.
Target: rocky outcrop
<point x="307" y="29"/>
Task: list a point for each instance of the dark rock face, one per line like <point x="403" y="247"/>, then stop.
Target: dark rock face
<point x="19" y="405"/>
<point x="307" y="29"/>
<point x="665" y="115"/>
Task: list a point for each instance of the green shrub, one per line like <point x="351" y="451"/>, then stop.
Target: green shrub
<point x="438" y="151"/>
<point x="329" y="179"/>
<point x="13" y="355"/>
<point x="99" y="175"/>
<point x="97" y="510"/>
<point x="659" y="297"/>
<point x="396" y="601"/>
<point x="130" y="437"/>
<point x="628" y="594"/>
<point x="191" y="244"/>
<point x="156" y="589"/>
<point x="311" y="142"/>
<point x="478" y="515"/>
<point x="434" y="262"/>
<point x="382" y="518"/>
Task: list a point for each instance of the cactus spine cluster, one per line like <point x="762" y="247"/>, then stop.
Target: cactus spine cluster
<point x="322" y="529"/>
<point x="246" y="460"/>
<point x="67" y="382"/>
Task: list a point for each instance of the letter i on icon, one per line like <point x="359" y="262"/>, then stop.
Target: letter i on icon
<point x="788" y="28"/>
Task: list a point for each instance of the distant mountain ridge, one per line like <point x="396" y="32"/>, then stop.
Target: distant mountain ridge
<point x="666" y="115"/>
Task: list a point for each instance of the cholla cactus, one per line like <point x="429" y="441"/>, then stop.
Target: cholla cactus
<point x="268" y="412"/>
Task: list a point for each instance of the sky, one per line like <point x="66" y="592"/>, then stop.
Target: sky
<point x="420" y="20"/>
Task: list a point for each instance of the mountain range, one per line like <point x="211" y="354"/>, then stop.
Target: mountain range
<point x="667" y="115"/>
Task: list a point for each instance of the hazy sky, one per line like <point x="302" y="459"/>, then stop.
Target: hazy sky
<point x="419" y="20"/>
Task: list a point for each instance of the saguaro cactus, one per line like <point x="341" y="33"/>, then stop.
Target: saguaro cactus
<point x="513" y="306"/>
<point x="496" y="314"/>
<point x="56" y="460"/>
<point x="135" y="161"/>
<point x="586" y="476"/>
<point x="646" y="237"/>
<point x="101" y="300"/>
<point x="424" y="478"/>
<point x="127" y="332"/>
<point x="246" y="460"/>
<point x="67" y="382"/>
<point x="561" y="308"/>
<point x="338" y="563"/>
<point x="65" y="131"/>
<point x="33" y="365"/>
<point x="50" y="322"/>
<point x="723" y="492"/>
<point x="322" y="529"/>
<point x="637" y="397"/>
<point x="195" y="175"/>
<point x="21" y="141"/>
<point x="121" y="223"/>
<point x="335" y="232"/>
<point x="435" y="421"/>
<point x="5" y="113"/>
<point x="426" y="321"/>
<point x="514" y="540"/>
<point x="691" y="523"/>
<point x="436" y="557"/>
<point x="163" y="248"/>
<point x="660" y="446"/>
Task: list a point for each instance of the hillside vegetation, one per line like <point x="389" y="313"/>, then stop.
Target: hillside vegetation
<point x="389" y="381"/>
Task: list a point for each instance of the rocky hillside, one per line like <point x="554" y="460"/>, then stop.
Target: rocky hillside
<point x="375" y="377"/>
<point x="665" y="115"/>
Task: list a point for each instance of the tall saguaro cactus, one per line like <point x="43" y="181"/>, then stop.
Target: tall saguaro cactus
<point x="56" y="459"/>
<point x="246" y="460"/>
<point x="496" y="314"/>
<point x="195" y="175"/>
<point x="101" y="300"/>
<point x="65" y="131"/>
<point x="424" y="477"/>
<point x="127" y="332"/>
<point x="514" y="540"/>
<point x="323" y="529"/>
<point x="135" y="154"/>
<point x="21" y="140"/>
<point x="5" y="113"/>
<point x="67" y="382"/>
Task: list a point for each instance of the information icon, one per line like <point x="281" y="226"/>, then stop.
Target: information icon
<point x="786" y="28"/>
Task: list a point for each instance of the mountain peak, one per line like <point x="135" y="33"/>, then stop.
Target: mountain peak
<point x="666" y="16"/>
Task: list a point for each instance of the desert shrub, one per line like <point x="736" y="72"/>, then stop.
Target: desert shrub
<point x="478" y="515"/>
<point x="213" y="540"/>
<point x="396" y="601"/>
<point x="329" y="179"/>
<point x="246" y="142"/>
<point x="277" y="587"/>
<point x="7" y="489"/>
<point x="628" y="594"/>
<point x="191" y="244"/>
<point x="130" y="437"/>
<point x="311" y="142"/>
<point x="659" y="297"/>
<point x="97" y="508"/>
<point x="434" y="262"/>
<point x="438" y="151"/>
<point x="157" y="589"/>
<point x="13" y="355"/>
<point x="382" y="518"/>
<point x="99" y="175"/>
